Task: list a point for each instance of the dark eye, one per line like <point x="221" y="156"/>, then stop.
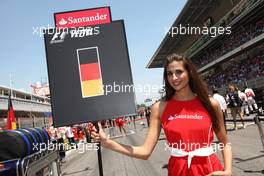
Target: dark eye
<point x="169" y="73"/>
<point x="178" y="72"/>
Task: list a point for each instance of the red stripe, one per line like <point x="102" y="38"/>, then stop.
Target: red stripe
<point x="12" y="114"/>
<point x="10" y="118"/>
<point x="9" y="122"/>
<point x="90" y="71"/>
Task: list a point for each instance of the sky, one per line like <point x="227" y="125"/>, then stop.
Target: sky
<point x="22" y="51"/>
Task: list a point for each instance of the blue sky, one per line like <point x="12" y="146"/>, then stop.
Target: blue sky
<point x="23" y="53"/>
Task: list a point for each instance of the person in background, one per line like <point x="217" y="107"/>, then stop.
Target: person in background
<point x="104" y="124"/>
<point x="251" y="99"/>
<point x="59" y="133"/>
<point x="147" y="114"/>
<point x="120" y="123"/>
<point x="80" y="133"/>
<point x="235" y="103"/>
<point x="244" y="100"/>
<point x="221" y="100"/>
<point x="87" y="133"/>
<point x="75" y="136"/>
<point x="134" y="122"/>
<point x="70" y="136"/>
<point x="111" y="128"/>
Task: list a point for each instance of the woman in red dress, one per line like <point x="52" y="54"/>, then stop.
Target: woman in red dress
<point x="189" y="117"/>
<point x="120" y="123"/>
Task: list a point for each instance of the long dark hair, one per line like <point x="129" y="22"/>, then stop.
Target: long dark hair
<point x="197" y="85"/>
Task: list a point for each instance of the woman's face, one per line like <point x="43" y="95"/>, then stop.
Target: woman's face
<point x="177" y="75"/>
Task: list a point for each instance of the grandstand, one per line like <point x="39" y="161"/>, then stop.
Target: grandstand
<point x="31" y="110"/>
<point x="236" y="58"/>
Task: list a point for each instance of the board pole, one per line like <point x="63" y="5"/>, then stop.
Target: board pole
<point x="99" y="154"/>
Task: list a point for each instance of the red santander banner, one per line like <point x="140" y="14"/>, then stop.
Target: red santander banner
<point x="85" y="17"/>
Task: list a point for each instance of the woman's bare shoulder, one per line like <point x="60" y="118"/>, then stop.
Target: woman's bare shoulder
<point x="159" y="107"/>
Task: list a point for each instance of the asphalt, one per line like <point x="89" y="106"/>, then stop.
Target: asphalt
<point x="248" y="155"/>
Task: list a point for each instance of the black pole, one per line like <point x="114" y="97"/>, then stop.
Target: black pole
<point x="99" y="155"/>
<point x="100" y="160"/>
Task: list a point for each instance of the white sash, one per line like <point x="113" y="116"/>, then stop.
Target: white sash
<point x="198" y="152"/>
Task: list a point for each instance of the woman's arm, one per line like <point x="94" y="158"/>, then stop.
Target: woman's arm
<point x="222" y="137"/>
<point x="143" y="151"/>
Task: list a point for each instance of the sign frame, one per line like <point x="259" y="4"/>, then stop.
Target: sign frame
<point x="82" y="120"/>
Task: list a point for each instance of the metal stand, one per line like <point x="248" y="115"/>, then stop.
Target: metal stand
<point x="257" y="122"/>
<point x="260" y="129"/>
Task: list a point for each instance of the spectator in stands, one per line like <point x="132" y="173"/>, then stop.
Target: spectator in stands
<point x="244" y="68"/>
<point x="230" y="42"/>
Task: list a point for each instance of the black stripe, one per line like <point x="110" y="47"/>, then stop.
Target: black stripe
<point x="87" y="56"/>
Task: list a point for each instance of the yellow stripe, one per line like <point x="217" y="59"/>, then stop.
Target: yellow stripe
<point x="92" y="88"/>
<point x="13" y="125"/>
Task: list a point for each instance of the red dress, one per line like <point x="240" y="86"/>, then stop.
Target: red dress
<point x="119" y="122"/>
<point x="75" y="134"/>
<point x="188" y="126"/>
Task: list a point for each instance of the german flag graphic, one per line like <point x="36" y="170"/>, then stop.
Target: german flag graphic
<point x="11" y="120"/>
<point x="90" y="72"/>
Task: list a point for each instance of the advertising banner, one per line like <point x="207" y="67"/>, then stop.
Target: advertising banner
<point x="86" y="17"/>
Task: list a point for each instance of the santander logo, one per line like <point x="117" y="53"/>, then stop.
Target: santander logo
<point x="186" y="116"/>
<point x="83" y="17"/>
<point x="62" y="21"/>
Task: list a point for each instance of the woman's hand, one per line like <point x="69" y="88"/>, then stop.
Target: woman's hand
<point x="98" y="137"/>
<point x="223" y="173"/>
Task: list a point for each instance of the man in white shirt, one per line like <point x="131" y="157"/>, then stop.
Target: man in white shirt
<point x="221" y="100"/>
<point x="244" y="100"/>
<point x="251" y="101"/>
<point x="70" y="135"/>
